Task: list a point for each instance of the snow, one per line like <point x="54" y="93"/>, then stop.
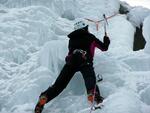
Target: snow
<point x="137" y="15"/>
<point x="33" y="45"/>
<point x="146" y="27"/>
<point x="144" y="3"/>
<point x="57" y="55"/>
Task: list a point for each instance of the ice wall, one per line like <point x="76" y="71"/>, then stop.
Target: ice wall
<point x="33" y="44"/>
<point x="137" y="15"/>
<point x="146" y="33"/>
<point x="65" y="8"/>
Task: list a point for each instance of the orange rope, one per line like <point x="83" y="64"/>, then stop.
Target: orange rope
<point x="97" y="22"/>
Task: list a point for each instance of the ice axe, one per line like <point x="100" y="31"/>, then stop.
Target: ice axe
<point x="105" y="24"/>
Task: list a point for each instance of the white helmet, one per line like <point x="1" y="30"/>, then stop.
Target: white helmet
<point x="80" y="24"/>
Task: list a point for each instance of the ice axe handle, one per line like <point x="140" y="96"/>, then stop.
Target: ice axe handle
<point x="105" y="19"/>
<point x="106" y="34"/>
<point x="104" y="16"/>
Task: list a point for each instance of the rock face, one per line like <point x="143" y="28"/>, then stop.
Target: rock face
<point x="139" y="41"/>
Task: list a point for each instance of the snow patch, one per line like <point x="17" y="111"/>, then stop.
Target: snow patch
<point x="146" y="33"/>
<point x="137" y="15"/>
<point x="145" y="95"/>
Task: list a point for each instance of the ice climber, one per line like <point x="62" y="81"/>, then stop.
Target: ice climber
<point x="80" y="58"/>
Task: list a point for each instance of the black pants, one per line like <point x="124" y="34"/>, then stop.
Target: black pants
<point x="65" y="76"/>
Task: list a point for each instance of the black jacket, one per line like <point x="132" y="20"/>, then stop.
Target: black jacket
<point x="82" y="39"/>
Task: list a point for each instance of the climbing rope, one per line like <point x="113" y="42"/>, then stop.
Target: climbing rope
<point x="98" y="21"/>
